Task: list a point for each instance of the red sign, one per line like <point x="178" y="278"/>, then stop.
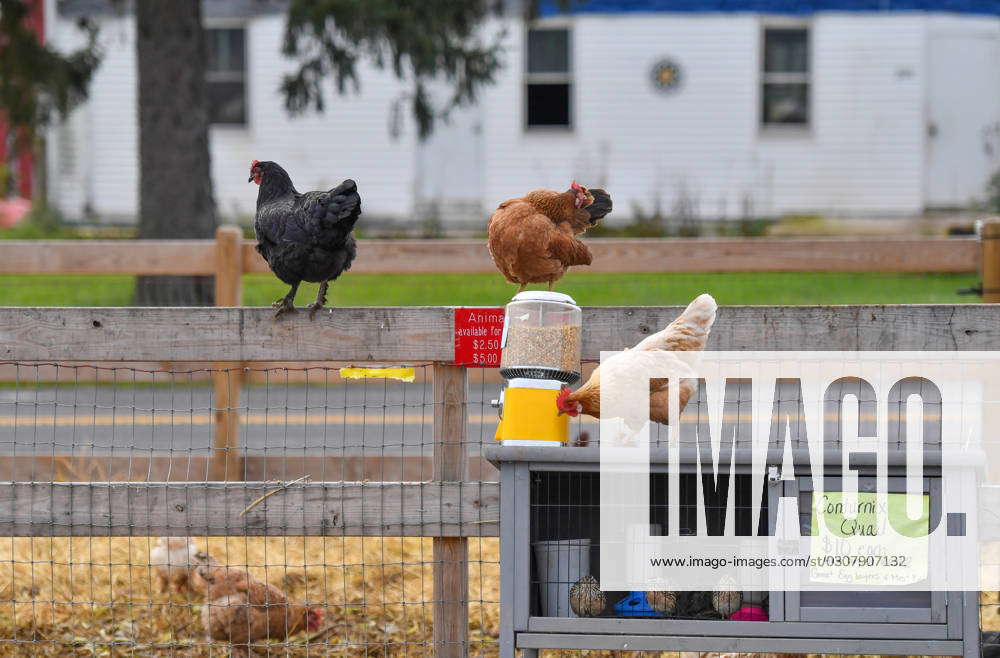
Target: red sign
<point x="477" y="337"/>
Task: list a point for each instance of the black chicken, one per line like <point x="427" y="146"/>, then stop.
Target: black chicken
<point x="303" y="237"/>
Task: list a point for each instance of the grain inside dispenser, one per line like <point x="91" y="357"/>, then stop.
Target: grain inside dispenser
<point x="541" y="337"/>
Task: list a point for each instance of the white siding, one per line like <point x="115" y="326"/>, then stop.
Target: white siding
<point x="645" y="146"/>
<point x="702" y="143"/>
<point x="112" y="156"/>
<point x="450" y="169"/>
<point x="93" y="157"/>
<point x="963" y="108"/>
<point x="866" y="151"/>
<point x="350" y="140"/>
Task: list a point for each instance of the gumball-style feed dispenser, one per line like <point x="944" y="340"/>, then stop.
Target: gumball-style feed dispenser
<point x="540" y="355"/>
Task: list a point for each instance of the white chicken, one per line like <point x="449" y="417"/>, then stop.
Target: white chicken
<point x="670" y="353"/>
<point x="174" y="558"/>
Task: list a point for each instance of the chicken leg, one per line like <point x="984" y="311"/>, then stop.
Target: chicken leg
<point x="320" y="300"/>
<point x="521" y="288"/>
<point x="286" y="304"/>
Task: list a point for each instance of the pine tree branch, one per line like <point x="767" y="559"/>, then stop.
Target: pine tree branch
<point x="38" y="82"/>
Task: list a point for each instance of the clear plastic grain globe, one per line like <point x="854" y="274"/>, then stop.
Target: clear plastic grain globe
<point x="541" y="337"/>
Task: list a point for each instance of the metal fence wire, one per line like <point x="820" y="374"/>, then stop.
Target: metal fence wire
<point x="115" y="575"/>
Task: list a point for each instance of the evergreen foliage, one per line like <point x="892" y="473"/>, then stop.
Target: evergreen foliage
<point x="38" y="82"/>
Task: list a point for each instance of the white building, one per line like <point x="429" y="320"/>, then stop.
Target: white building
<point x="709" y="108"/>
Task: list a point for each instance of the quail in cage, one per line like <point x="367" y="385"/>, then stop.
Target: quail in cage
<point x="586" y="597"/>
<point x="662" y="602"/>
<point x="726" y="599"/>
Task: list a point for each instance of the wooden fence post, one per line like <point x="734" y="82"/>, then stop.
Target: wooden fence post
<point x="451" y="554"/>
<point x="226" y="380"/>
<point x="991" y="261"/>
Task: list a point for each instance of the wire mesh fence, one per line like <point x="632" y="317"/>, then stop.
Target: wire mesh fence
<point x="296" y="426"/>
<point x="352" y="590"/>
<point x="279" y="471"/>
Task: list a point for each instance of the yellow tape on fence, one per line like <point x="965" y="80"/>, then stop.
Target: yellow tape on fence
<point x="402" y="374"/>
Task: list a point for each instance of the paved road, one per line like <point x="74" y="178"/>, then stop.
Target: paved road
<point x="276" y="419"/>
<point x="365" y="417"/>
<point x="357" y="418"/>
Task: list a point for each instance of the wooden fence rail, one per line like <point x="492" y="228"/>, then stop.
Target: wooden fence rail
<point x="448" y="510"/>
<point x="414" y="334"/>
<point x="611" y="255"/>
<point x="195" y="467"/>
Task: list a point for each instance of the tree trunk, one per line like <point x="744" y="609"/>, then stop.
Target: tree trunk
<point x="175" y="185"/>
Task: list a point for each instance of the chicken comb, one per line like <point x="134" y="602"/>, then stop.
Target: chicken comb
<point x="575" y="186"/>
<point x="254" y="163"/>
<point x="561" y="398"/>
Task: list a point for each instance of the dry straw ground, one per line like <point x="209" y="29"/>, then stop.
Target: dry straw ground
<point x="99" y="597"/>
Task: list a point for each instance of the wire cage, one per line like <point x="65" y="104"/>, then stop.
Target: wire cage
<point x="565" y="531"/>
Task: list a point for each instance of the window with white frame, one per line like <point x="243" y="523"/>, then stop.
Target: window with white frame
<point x="226" y="75"/>
<point x="785" y="87"/>
<point x="548" y="78"/>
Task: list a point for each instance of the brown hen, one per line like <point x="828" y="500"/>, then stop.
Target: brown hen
<point x="532" y="239"/>
<point x="242" y="610"/>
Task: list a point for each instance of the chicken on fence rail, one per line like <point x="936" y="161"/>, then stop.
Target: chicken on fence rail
<point x="687" y="333"/>
<point x="303" y="237"/>
<point x="532" y="239"/>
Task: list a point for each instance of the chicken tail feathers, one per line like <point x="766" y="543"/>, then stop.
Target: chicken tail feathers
<point x="601" y="205"/>
<point x="343" y="206"/>
<point x="568" y="250"/>
<point x="699" y="314"/>
<point x="347" y="187"/>
<point x="689" y="332"/>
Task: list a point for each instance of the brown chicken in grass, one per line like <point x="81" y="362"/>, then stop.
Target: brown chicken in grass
<point x="242" y="610"/>
<point x="533" y="239"/>
<point x="688" y="333"/>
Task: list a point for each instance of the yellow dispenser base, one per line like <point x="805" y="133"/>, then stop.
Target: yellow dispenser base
<point x="530" y="415"/>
